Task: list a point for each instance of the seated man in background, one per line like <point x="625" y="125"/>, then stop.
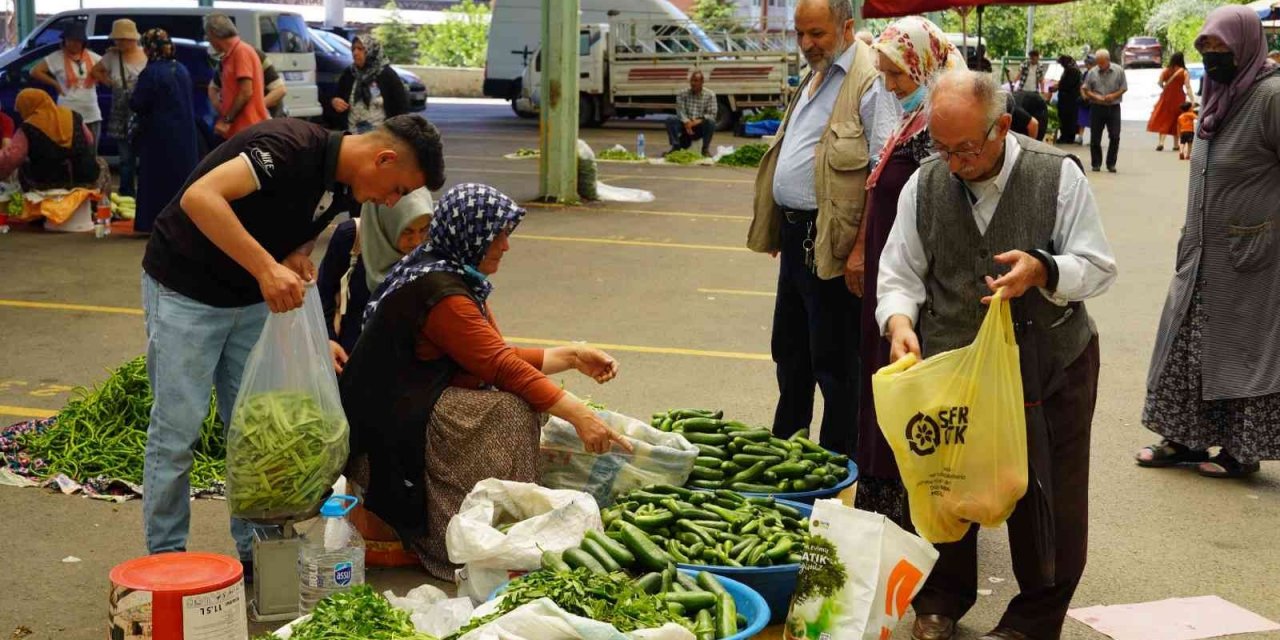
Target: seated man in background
<point x="695" y="117"/>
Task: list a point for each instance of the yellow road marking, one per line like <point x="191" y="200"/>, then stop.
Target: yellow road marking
<point x="26" y="304"/>
<point x="25" y="412"/>
<point x="735" y="355"/>
<point x="634" y="243"/>
<point x="739" y="292"/>
<point x="678" y="351"/>
<point x="646" y="212"/>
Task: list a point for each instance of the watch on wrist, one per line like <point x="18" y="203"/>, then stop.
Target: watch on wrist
<point x="1050" y="269"/>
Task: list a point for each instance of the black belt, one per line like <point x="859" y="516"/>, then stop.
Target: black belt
<point x="797" y="216"/>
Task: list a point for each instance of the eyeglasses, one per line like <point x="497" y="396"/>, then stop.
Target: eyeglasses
<point x="966" y="155"/>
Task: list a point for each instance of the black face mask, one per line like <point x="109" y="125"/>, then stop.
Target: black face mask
<point x="1220" y="66"/>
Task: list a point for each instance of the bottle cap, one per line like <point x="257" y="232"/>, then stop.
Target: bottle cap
<point x="338" y="506"/>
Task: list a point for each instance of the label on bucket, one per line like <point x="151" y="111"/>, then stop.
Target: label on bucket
<point x="217" y="615"/>
<point x="130" y="615"/>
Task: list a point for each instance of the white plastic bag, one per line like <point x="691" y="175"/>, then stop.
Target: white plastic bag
<point x="287" y="442"/>
<point x="590" y="187"/>
<point x="546" y="520"/>
<point x="657" y="458"/>
<point x="543" y="620"/>
<point x="859" y="574"/>
<point x="611" y="193"/>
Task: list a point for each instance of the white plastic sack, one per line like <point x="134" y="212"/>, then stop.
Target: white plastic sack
<point x="543" y="620"/>
<point x="287" y="442"/>
<point x="546" y="520"/>
<point x="622" y="194"/>
<point x="658" y="457"/>
<point x="722" y="151"/>
<point x="883" y="568"/>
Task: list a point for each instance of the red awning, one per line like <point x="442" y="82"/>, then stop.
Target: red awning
<point x="896" y="8"/>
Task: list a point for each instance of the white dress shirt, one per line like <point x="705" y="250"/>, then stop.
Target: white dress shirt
<point x="1086" y="266"/>
<point x="793" y="185"/>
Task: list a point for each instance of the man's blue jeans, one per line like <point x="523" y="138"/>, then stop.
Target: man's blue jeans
<point x="191" y="349"/>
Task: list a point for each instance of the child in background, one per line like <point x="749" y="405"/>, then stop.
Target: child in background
<point x="1186" y="130"/>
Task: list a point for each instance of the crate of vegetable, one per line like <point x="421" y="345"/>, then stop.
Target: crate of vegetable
<point x="733" y="455"/>
<point x="754" y="539"/>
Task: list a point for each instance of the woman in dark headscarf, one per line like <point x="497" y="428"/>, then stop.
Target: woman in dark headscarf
<point x="1214" y="378"/>
<point x="369" y="91"/>
<point x="166" y="135"/>
<point x="432" y="373"/>
<point x="52" y="147"/>
<point x="1068" y="100"/>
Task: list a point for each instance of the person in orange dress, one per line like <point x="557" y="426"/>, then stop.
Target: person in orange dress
<point x="1186" y="130"/>
<point x="1175" y="85"/>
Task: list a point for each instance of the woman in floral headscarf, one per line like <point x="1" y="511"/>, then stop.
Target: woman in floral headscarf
<point x="432" y="373"/>
<point x="910" y="53"/>
<point x="165" y="130"/>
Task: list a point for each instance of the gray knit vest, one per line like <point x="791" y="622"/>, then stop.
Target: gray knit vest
<point x="959" y="257"/>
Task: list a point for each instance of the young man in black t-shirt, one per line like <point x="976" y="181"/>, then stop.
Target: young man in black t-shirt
<point x="234" y="243"/>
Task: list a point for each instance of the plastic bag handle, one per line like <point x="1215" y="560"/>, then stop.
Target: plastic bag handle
<point x="900" y="365"/>
<point x="999" y="319"/>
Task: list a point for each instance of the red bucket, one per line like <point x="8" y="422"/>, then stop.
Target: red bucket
<point x="178" y="596"/>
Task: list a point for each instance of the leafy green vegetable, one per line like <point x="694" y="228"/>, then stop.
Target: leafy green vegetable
<point x="684" y="156"/>
<point x="102" y="432"/>
<point x="618" y="154"/>
<point x="357" y="614"/>
<point x="283" y="454"/>
<point x="748" y="155"/>
<point x="767" y="113"/>
<point x="823" y="575"/>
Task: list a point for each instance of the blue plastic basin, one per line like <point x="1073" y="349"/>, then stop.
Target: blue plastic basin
<point x="775" y="584"/>
<point x="748" y="603"/>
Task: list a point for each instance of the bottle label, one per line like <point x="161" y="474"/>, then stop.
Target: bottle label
<point x="342" y="574"/>
<point x="217" y="615"/>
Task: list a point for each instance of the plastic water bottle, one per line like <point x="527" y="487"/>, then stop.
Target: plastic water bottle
<point x="640" y="144"/>
<point x="331" y="556"/>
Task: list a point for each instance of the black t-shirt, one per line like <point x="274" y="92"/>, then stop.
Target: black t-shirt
<point x="294" y="163"/>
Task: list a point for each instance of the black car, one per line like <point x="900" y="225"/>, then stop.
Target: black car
<point x="333" y="56"/>
<point x="16" y="76"/>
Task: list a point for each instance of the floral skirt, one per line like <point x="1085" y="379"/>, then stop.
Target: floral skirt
<point x="1247" y="428"/>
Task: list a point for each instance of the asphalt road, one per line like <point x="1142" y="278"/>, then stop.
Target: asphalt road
<point x="666" y="287"/>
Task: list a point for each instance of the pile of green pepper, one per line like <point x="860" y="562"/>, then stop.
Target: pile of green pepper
<point x="733" y="455"/>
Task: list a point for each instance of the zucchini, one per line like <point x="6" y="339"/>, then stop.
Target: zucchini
<point x="708" y="462"/>
<point x="651" y="582"/>
<point x="687" y="582"/>
<point x="615" y="549"/>
<point x="704" y="473"/>
<point x="754" y="435"/>
<point x="786" y="510"/>
<point x="592" y="547"/>
<point x="750" y="487"/>
<point x="726" y="616"/>
<point x="554" y="561"/>
<point x="711" y="451"/>
<point x="764" y="450"/>
<point x="750" y="473"/>
<point x="644" y="548"/>
<point x="698" y="425"/>
<point x="748" y="459"/>
<point x="713" y="439"/>
<point x="789" y="470"/>
<point x="706" y="484"/>
<point x="692" y="600"/>
<point x="704" y="626"/>
<point x="579" y="558"/>
<point x="709" y="582"/>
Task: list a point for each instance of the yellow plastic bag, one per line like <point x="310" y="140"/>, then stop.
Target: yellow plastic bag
<point x="957" y="427"/>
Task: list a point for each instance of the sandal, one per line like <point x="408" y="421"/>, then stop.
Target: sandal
<point x="1224" y="465"/>
<point x="1168" y="454"/>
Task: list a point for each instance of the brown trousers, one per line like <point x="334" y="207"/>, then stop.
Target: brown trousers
<point x="1036" y="611"/>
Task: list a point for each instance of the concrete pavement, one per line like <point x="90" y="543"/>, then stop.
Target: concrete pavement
<point x="687" y="311"/>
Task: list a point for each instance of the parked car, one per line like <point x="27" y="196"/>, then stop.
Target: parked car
<point x="333" y="56"/>
<point x="15" y="76"/>
<point x="1142" y="50"/>
<point x="282" y="35"/>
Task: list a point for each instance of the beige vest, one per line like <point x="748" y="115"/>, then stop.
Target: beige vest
<point x="839" y="175"/>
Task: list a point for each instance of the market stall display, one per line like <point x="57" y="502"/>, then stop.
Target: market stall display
<point x="358" y="614"/>
<point x="737" y="456"/>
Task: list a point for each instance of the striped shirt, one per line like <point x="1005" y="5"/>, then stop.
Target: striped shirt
<point x="690" y="106"/>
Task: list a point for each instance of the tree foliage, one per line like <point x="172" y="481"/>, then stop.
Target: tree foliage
<point x="459" y="41"/>
<point x="823" y="575"/>
<point x="715" y="15"/>
<point x="396" y="36"/>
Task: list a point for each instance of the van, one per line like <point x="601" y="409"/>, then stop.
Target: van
<point x="515" y="35"/>
<point x="967" y="45"/>
<point x="282" y="35"/>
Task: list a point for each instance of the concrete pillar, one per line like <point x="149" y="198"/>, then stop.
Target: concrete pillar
<point x="558" y="119"/>
<point x="26" y="15"/>
<point x="333" y="16"/>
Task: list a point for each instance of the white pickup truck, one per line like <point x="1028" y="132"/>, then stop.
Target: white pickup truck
<point x="631" y="68"/>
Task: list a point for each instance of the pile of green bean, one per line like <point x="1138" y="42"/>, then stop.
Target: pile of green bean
<point x="283" y="454"/>
<point x="102" y="433"/>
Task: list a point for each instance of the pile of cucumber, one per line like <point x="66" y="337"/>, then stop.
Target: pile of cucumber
<point x="662" y="524"/>
<point x="737" y="456"/>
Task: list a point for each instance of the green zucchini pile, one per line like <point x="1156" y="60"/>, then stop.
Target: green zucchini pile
<point x="737" y="456"/>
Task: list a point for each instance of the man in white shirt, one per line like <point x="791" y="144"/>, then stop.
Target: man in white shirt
<point x="810" y="198"/>
<point x="998" y="211"/>
<point x="69" y="71"/>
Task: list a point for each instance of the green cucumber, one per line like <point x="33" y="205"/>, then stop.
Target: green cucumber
<point x="579" y="558"/>
<point x="708" y="462"/>
<point x="698" y="425"/>
<point x="692" y="600"/>
<point x="713" y="439"/>
<point x="554" y="561"/>
<point x="755" y="435"/>
<point x="704" y="626"/>
<point x="706" y="484"/>
<point x="750" y="473"/>
<point x="651" y="582"/>
<point x="789" y="470"/>
<point x="726" y="616"/>
<point x="592" y="547"/>
<point x="711" y="451"/>
<point x="751" y="487"/>
<point x="645" y="549"/>
<point x="748" y="459"/>
<point x="615" y="549"/>
<point x="704" y="473"/>
<point x="709" y="582"/>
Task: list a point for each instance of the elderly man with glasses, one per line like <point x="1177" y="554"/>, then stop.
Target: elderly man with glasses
<point x="994" y="210"/>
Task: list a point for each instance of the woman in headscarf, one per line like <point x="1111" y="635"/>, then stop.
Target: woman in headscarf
<point x="1068" y="99"/>
<point x="910" y="53"/>
<point x="436" y="399"/>
<point x="166" y="136"/>
<point x="369" y="91"/>
<point x="1214" y="378"/>
<point x="357" y="260"/>
<point x="52" y="147"/>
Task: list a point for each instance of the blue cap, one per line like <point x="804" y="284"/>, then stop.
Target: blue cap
<point x="336" y="506"/>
